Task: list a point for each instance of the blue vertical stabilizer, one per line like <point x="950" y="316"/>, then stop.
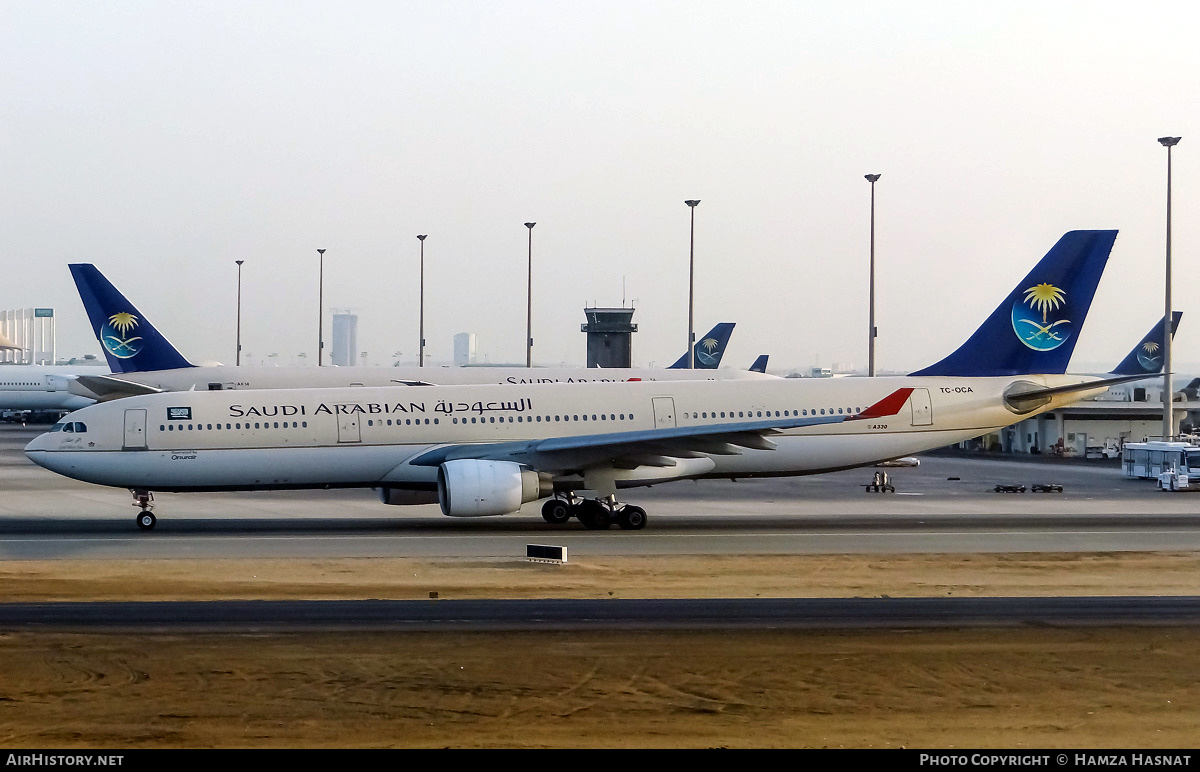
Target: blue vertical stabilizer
<point x="1036" y="327"/>
<point x="1147" y="355"/>
<point x="130" y="342"/>
<point x="709" y="349"/>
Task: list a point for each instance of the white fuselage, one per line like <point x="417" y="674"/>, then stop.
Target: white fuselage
<point x="38" y="387"/>
<point x="367" y="437"/>
<point x="247" y="377"/>
<point x="227" y="377"/>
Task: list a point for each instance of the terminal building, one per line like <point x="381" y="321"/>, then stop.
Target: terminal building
<point x="27" y="336"/>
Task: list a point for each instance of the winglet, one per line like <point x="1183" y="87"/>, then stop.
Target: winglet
<point x="888" y="406"/>
<point x="130" y="342"/>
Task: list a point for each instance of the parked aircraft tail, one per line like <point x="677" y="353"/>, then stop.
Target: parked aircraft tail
<point x="1147" y="355"/>
<point x="708" y="350"/>
<point x="131" y="344"/>
<point x="760" y="364"/>
<point x="1036" y="327"/>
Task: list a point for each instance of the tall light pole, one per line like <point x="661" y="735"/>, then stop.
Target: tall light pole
<point x="871" y="332"/>
<point x="239" y="312"/>
<point x="421" y="358"/>
<point x="529" y="303"/>
<point x="320" y="306"/>
<point x="1168" y="419"/>
<point x="692" y="285"/>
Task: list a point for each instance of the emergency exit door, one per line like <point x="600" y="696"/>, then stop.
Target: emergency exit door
<point x="135" y="430"/>
<point x="664" y="412"/>
<point x="348" y="428"/>
<point x="922" y="407"/>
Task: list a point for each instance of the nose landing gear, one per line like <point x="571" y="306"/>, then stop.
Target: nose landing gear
<point x="144" y="500"/>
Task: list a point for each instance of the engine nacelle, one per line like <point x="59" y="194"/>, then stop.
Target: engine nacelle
<point x="474" y="488"/>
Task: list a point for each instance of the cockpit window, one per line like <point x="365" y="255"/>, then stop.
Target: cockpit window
<point x="57" y="428"/>
<point x="80" y="426"/>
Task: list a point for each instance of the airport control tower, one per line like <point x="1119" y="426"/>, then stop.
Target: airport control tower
<point x="609" y="336"/>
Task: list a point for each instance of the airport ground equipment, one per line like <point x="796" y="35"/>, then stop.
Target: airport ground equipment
<point x="1172" y="479"/>
<point x="880" y="484"/>
<point x="1009" y="489"/>
<point x="1047" y="488"/>
<point x="1149" y="460"/>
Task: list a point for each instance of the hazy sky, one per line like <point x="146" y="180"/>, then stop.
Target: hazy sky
<point x="162" y="141"/>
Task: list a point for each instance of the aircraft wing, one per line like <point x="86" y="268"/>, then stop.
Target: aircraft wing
<point x="648" y="447"/>
<point x="106" y="387"/>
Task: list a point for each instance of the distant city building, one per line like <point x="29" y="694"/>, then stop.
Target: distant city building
<point x="27" y="336"/>
<point x="345" y="340"/>
<point x="609" y="336"/>
<point x="465" y="349"/>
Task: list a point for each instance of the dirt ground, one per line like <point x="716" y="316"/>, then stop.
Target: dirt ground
<point x="1041" y="687"/>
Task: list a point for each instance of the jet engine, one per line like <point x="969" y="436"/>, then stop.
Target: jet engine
<point x="473" y="488"/>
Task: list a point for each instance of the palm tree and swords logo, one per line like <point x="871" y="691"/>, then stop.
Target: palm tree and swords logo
<point x="706" y="356"/>
<point x="1031" y="318"/>
<point x="115" y="335"/>
<point x="1149" y="356"/>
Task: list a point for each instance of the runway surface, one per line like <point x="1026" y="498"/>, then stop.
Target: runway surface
<point x="637" y="614"/>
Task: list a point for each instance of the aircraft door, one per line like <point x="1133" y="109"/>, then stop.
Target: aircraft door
<point x="348" y="430"/>
<point x="664" y="412"/>
<point x="135" y="430"/>
<point x="922" y="408"/>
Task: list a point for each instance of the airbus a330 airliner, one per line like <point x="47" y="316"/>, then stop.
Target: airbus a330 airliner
<point x="487" y="449"/>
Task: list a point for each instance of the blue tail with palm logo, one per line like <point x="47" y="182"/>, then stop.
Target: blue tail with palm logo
<point x="1147" y="356"/>
<point x="131" y="344"/>
<point x="1036" y="327"/>
<point x="708" y="350"/>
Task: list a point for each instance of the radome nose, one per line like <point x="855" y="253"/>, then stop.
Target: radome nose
<point x="35" y="446"/>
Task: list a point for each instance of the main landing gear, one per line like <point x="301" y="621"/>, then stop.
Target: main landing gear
<point x="595" y="514"/>
<point x="144" y="499"/>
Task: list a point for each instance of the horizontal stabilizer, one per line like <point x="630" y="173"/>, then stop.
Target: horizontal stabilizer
<point x="1027" y="396"/>
<point x="106" y="387"/>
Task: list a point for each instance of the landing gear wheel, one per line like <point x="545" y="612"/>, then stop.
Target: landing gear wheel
<point x="593" y="515"/>
<point x="631" y="518"/>
<point x="556" y="512"/>
<point x="144" y="500"/>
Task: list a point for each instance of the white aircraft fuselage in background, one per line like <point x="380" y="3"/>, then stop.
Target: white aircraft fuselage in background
<point x="220" y="377"/>
<point x="42" y="387"/>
